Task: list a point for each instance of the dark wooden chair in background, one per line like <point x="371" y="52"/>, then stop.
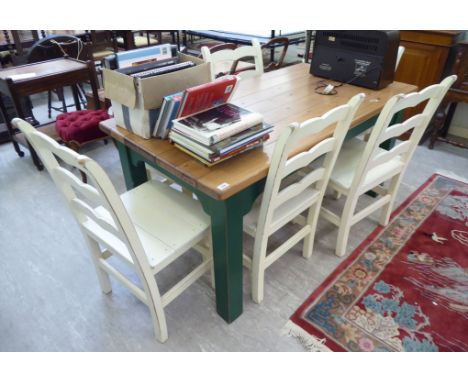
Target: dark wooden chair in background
<point x="100" y="43"/>
<point x="272" y="44"/>
<point x="457" y="93"/>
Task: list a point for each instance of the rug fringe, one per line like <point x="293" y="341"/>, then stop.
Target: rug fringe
<point x="310" y="342"/>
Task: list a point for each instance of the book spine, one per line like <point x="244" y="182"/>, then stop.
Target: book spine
<point x="244" y="141"/>
<point x="172" y="115"/>
<point x="160" y="118"/>
<point x="186" y="142"/>
<point x="235" y="128"/>
<point x="189" y="133"/>
<point x="240" y="150"/>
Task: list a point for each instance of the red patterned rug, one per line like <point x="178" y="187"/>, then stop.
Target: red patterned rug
<point x="405" y="288"/>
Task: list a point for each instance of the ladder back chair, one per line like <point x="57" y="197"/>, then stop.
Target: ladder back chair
<point x="146" y="239"/>
<point x="219" y="59"/>
<point x="364" y="166"/>
<point x="281" y="205"/>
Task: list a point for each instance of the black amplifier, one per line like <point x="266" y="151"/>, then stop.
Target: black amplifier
<point x="362" y="58"/>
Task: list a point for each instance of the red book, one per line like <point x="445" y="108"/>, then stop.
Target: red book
<point x="206" y="96"/>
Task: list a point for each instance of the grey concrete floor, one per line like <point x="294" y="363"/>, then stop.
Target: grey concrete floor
<point x="50" y="299"/>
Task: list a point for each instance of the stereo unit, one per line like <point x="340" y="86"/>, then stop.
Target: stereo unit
<point x="362" y="58"/>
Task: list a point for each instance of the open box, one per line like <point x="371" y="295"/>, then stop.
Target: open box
<point x="136" y="102"/>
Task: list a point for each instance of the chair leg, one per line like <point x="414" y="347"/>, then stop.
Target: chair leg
<point x="336" y="194"/>
<point x="49" y="104"/>
<point x="156" y="309"/>
<point x="35" y="158"/>
<point x="257" y="274"/>
<point x="312" y="218"/>
<point x="210" y="254"/>
<point x="206" y="251"/>
<point x="103" y="277"/>
<point x="392" y="190"/>
<point x="345" y="225"/>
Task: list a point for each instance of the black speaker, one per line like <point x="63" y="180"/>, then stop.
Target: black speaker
<point x="362" y="58"/>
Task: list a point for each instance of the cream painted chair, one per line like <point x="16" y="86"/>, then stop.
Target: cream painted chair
<point x="281" y="204"/>
<point x="148" y="227"/>
<point x="221" y="60"/>
<point x="364" y="166"/>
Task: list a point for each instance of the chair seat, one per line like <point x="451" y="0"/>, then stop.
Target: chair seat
<point x="348" y="160"/>
<point x="97" y="56"/>
<point x="283" y="213"/>
<point x="140" y="41"/>
<point x="167" y="222"/>
<point x="80" y="126"/>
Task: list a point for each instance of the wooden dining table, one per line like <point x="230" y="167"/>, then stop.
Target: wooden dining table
<point x="228" y="190"/>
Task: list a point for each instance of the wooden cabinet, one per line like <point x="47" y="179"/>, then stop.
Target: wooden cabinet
<point x="457" y="93"/>
<point x="425" y="58"/>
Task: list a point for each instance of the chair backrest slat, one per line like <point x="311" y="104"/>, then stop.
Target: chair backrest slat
<point x="86" y="190"/>
<point x="398" y="129"/>
<point x="385" y="156"/>
<point x="303" y="159"/>
<point x="295" y="189"/>
<point x="78" y="206"/>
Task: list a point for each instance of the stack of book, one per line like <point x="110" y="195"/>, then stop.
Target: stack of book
<point x="219" y="133"/>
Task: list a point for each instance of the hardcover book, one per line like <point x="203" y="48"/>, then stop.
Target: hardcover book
<point x="207" y="96"/>
<point x="169" y="109"/>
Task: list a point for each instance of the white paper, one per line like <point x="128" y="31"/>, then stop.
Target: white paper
<point x="22" y="76"/>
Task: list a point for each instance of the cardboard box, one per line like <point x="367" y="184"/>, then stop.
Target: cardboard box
<point x="136" y="102"/>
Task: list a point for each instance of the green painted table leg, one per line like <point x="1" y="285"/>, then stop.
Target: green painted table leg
<point x="133" y="168"/>
<point x="227" y="235"/>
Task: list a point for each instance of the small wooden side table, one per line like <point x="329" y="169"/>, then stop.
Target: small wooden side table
<point x="457" y="93"/>
<point x="24" y="80"/>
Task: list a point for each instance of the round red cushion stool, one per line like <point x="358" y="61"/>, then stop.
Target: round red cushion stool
<point x="79" y="127"/>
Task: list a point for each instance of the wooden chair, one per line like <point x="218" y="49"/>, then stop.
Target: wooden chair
<point x="146" y="238"/>
<point x="279" y="206"/>
<point x="101" y="43"/>
<point x="219" y="58"/>
<point x="274" y="42"/>
<point x="364" y="166"/>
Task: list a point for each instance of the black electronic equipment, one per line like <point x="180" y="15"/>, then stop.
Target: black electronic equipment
<point x="362" y="58"/>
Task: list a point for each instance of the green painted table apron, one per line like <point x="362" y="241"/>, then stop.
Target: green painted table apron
<point x="226" y="224"/>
